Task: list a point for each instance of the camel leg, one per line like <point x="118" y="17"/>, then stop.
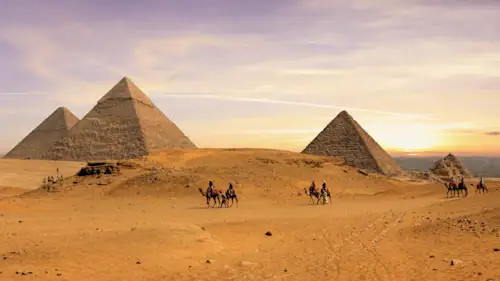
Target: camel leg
<point x="236" y="198"/>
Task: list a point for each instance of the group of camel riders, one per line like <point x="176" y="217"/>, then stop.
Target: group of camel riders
<point x="455" y="188"/>
<point x="462" y="183"/>
<point x="219" y="196"/>
<point x="323" y="193"/>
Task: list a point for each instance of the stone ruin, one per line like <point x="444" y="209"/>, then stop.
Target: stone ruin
<point x="450" y="167"/>
<point x="100" y="168"/>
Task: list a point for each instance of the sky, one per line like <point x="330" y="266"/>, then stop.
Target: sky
<point x="420" y="76"/>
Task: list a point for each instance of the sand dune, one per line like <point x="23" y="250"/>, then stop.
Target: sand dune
<point x="151" y="223"/>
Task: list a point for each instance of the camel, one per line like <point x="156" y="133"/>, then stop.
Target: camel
<point x="462" y="188"/>
<point x="216" y="195"/>
<point x="454" y="189"/>
<point x="233" y="196"/>
<point x="480" y="187"/>
<point x="313" y="192"/>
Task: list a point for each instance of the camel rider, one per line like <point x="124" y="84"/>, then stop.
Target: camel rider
<point x="462" y="182"/>
<point x="312" y="187"/>
<point x="210" y="188"/>
<point x="230" y="191"/>
<point x="452" y="182"/>
<point x="481" y="182"/>
<point x="324" y="189"/>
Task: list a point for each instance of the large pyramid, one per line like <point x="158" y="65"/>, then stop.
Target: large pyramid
<point x="124" y="124"/>
<point x="345" y="138"/>
<point x="56" y="126"/>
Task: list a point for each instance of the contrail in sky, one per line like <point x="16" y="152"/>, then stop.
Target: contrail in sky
<point x="294" y="103"/>
<point x="20" y="94"/>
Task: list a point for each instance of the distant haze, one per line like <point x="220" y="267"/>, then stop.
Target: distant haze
<point x="478" y="165"/>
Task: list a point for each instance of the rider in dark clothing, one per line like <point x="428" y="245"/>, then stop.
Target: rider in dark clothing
<point x="312" y="187"/>
<point x="210" y="188"/>
<point x="323" y="187"/>
<point x="230" y="191"/>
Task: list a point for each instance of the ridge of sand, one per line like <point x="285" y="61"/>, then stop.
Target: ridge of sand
<point x="375" y="229"/>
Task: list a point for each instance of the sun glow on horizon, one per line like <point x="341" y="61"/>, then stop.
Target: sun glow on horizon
<point x="410" y="138"/>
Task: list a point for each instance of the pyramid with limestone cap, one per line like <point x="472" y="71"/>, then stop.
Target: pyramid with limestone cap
<point x="343" y="137"/>
<point x="124" y="124"/>
<point x="54" y="127"/>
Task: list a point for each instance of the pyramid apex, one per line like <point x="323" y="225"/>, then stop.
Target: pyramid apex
<point x="344" y="114"/>
<point x="125" y="79"/>
<point x="126" y="89"/>
<point x="62" y="108"/>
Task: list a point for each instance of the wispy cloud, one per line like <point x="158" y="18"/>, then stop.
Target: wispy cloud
<point x="295" y="103"/>
<point x="492" y="133"/>
<point x="21" y="94"/>
<point x="273" y="132"/>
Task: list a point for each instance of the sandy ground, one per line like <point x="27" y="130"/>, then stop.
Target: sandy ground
<point x="151" y="223"/>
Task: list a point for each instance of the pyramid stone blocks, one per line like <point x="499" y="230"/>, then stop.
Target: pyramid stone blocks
<point x="54" y="127"/>
<point x="124" y="124"/>
<point x="344" y="137"/>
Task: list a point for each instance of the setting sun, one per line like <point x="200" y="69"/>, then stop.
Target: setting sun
<point x="409" y="138"/>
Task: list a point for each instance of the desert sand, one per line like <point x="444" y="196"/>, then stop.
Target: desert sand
<point x="151" y="223"/>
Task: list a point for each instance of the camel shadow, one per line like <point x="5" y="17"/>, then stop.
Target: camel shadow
<point x="204" y="208"/>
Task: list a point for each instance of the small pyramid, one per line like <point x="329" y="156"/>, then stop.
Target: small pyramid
<point x="54" y="127"/>
<point x="344" y="137"/>
<point x="124" y="124"/>
<point x="450" y="167"/>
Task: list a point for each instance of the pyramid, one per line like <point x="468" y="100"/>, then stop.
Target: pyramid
<point x="345" y="138"/>
<point x="41" y="138"/>
<point x="450" y="167"/>
<point x="124" y="124"/>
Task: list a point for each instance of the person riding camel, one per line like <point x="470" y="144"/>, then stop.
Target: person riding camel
<point x="210" y="188"/>
<point x="324" y="189"/>
<point x="312" y="188"/>
<point x="452" y="182"/>
<point x="230" y="191"/>
<point x="481" y="182"/>
<point x="462" y="183"/>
